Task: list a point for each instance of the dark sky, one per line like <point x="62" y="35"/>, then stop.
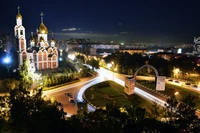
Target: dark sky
<point x="123" y="20"/>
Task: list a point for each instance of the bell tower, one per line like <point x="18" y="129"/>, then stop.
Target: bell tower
<point x="19" y="31"/>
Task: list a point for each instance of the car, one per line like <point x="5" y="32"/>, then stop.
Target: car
<point x="71" y="100"/>
<point x="67" y="94"/>
<point x="187" y="84"/>
<point x="195" y="86"/>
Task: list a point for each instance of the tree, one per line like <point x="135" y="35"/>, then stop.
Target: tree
<point x="94" y="63"/>
<point x="186" y="114"/>
<point x="171" y="105"/>
<point x="156" y="110"/>
<point x="31" y="113"/>
<point x="26" y="75"/>
<point x="11" y="84"/>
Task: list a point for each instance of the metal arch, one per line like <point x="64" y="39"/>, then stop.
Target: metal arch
<point x="146" y="66"/>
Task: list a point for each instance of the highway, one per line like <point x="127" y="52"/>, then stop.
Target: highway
<point x="77" y="90"/>
<point x="59" y="95"/>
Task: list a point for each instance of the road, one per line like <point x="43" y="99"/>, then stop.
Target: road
<point x="143" y="92"/>
<point x="59" y="95"/>
<point x="77" y="90"/>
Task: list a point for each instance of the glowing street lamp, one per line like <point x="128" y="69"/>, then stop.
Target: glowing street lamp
<point x="176" y="72"/>
<point x="176" y="93"/>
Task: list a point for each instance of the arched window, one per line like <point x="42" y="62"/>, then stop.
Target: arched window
<point x="54" y="57"/>
<point x="40" y="56"/>
<point x="45" y="55"/>
<point x="22" y="44"/>
<point x="24" y="57"/>
<point x="34" y="56"/>
<point x="21" y="32"/>
<point x="55" y="52"/>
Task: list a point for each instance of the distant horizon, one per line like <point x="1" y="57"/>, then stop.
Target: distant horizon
<point x="125" y="21"/>
<point x="112" y="37"/>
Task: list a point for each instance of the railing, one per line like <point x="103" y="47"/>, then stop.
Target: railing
<point x="154" y="91"/>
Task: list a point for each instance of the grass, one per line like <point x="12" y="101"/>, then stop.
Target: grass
<point x="109" y="92"/>
<point x="171" y="89"/>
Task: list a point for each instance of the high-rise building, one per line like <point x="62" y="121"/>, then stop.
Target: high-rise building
<point x="196" y="46"/>
<point x="38" y="51"/>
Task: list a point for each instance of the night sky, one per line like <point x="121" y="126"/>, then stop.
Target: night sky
<point x="159" y="21"/>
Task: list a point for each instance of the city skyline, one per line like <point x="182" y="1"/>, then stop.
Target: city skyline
<point x="125" y="21"/>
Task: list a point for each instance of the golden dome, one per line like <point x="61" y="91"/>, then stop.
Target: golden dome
<point x="19" y="16"/>
<point x="32" y="39"/>
<point x="52" y="40"/>
<point x="43" y="29"/>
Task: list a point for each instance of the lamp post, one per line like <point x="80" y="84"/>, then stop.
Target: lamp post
<point x="176" y="72"/>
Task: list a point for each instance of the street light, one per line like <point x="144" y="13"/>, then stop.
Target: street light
<point x="176" y="72"/>
<point x="176" y="93"/>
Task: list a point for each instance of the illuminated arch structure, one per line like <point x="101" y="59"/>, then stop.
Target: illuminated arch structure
<point x="130" y="81"/>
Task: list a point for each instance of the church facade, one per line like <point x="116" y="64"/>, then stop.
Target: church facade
<point x="41" y="53"/>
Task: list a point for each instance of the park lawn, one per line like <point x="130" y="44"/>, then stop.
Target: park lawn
<point x="100" y="93"/>
<point x="116" y="93"/>
<point x="171" y="89"/>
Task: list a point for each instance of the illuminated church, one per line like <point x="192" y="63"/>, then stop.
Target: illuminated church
<point x="38" y="51"/>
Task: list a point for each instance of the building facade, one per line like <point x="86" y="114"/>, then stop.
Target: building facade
<point x="38" y="51"/>
<point x="196" y="46"/>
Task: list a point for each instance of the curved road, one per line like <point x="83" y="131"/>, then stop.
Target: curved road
<point x="59" y="94"/>
<point x="77" y="90"/>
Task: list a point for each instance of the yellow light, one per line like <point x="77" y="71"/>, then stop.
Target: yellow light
<point x="109" y="65"/>
<point x="176" y="71"/>
<point x="43" y="32"/>
<point x="176" y="93"/>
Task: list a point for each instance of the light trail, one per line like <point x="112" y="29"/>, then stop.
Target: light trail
<point x="82" y="90"/>
<point x="68" y="87"/>
<point x="137" y="90"/>
<point x="109" y="75"/>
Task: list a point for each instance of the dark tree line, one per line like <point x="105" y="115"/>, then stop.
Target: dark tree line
<point x="128" y="64"/>
<point x="27" y="112"/>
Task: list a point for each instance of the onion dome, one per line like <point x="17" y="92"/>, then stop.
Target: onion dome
<point x="32" y="38"/>
<point x="42" y="29"/>
<point x="19" y="16"/>
<point x="52" y="40"/>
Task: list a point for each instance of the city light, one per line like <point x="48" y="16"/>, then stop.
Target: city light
<point x="6" y="60"/>
<point x="176" y="93"/>
<point x="71" y="56"/>
<point x="109" y="65"/>
<point x="60" y="59"/>
<point x="176" y="72"/>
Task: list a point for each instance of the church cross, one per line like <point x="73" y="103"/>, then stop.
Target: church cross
<point x="41" y="14"/>
<point x="18" y="9"/>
